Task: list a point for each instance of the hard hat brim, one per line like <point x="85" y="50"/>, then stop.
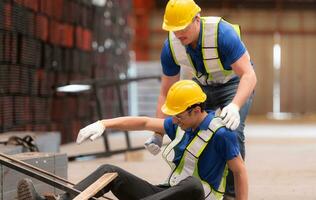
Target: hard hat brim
<point x="170" y="112"/>
<point x="173" y="28"/>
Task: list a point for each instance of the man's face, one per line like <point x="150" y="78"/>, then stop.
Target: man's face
<point x="188" y="34"/>
<point x="184" y="119"/>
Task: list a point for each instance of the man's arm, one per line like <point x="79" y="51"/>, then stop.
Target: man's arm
<point x="237" y="166"/>
<point x="166" y="83"/>
<point x="243" y="68"/>
<point x="135" y="123"/>
<point x="171" y="74"/>
<point x="96" y="129"/>
<point x="248" y="79"/>
<point x="154" y="143"/>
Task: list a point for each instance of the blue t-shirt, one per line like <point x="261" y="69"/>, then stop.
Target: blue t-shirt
<point x="230" y="49"/>
<point x="221" y="148"/>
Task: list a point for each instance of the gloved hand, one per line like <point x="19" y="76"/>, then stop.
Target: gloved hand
<point x="154" y="143"/>
<point x="91" y="131"/>
<point x="230" y="116"/>
<point x="218" y="112"/>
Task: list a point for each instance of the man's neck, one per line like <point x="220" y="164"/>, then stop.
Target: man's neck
<point x="200" y="119"/>
<point x="196" y="33"/>
<point x="194" y="44"/>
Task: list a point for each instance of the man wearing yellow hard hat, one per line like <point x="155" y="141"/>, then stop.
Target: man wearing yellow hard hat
<point x="212" y="48"/>
<point x="199" y="154"/>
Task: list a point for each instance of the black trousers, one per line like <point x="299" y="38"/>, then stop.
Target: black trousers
<point x="127" y="186"/>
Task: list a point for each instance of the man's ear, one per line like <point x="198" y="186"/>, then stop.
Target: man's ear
<point x="197" y="109"/>
<point x="197" y="18"/>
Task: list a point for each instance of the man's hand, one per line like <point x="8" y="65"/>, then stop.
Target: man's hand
<point x="154" y="143"/>
<point x="91" y="131"/>
<point x="230" y="116"/>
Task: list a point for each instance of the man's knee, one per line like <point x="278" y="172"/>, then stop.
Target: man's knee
<point x="193" y="186"/>
<point x="226" y="197"/>
<point x="107" y="168"/>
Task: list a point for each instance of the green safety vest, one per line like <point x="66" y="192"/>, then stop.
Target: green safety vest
<point x="188" y="165"/>
<point x="212" y="63"/>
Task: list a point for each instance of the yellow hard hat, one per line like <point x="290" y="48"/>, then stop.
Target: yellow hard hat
<point x="182" y="95"/>
<point x="179" y="14"/>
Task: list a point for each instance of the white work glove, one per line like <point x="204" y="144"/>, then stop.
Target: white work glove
<point x="218" y="112"/>
<point x="154" y="143"/>
<point x="230" y="116"/>
<point x="91" y="131"/>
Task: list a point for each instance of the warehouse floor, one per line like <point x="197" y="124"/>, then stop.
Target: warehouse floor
<point x="281" y="160"/>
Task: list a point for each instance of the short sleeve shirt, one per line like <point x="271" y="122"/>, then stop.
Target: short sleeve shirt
<point x="230" y="48"/>
<point x="221" y="148"/>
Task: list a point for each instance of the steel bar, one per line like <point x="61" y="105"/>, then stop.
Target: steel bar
<point x="35" y="168"/>
<point x="18" y="166"/>
<point x="38" y="176"/>
<point x="100" y="116"/>
<point x="95" y="155"/>
<point x="122" y="113"/>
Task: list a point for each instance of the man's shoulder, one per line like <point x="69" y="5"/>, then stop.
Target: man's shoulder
<point x="215" y="123"/>
<point x="217" y="126"/>
<point x="225" y="27"/>
<point x="165" y="45"/>
<point x="225" y="134"/>
<point x="165" y="50"/>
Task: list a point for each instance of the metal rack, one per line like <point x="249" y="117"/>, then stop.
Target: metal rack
<point x="117" y="83"/>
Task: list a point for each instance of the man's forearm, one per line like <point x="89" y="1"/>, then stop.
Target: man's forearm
<point x="125" y="123"/>
<point x="245" y="88"/>
<point x="159" y="113"/>
<point x="241" y="185"/>
<point x="166" y="83"/>
<point x="134" y="123"/>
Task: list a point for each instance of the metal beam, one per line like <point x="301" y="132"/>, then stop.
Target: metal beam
<point x="40" y="175"/>
<point x="91" y="156"/>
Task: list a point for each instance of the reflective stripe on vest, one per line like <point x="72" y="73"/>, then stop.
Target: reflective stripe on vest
<point x="212" y="63"/>
<point x="188" y="164"/>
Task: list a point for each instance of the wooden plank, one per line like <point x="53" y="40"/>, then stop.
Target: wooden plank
<point x="96" y="186"/>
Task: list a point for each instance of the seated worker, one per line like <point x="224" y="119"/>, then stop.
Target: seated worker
<point x="199" y="154"/>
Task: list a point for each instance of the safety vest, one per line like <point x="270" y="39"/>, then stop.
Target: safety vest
<point x="215" y="72"/>
<point x="188" y="165"/>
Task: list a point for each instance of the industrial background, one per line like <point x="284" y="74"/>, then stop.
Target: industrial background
<point x="45" y="44"/>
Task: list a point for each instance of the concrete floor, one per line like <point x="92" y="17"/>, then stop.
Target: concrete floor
<point x="280" y="160"/>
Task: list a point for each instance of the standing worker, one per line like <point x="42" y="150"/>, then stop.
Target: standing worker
<point x="199" y="154"/>
<point x="212" y="47"/>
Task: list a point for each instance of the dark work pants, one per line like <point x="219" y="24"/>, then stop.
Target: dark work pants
<point x="219" y="96"/>
<point x="127" y="186"/>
